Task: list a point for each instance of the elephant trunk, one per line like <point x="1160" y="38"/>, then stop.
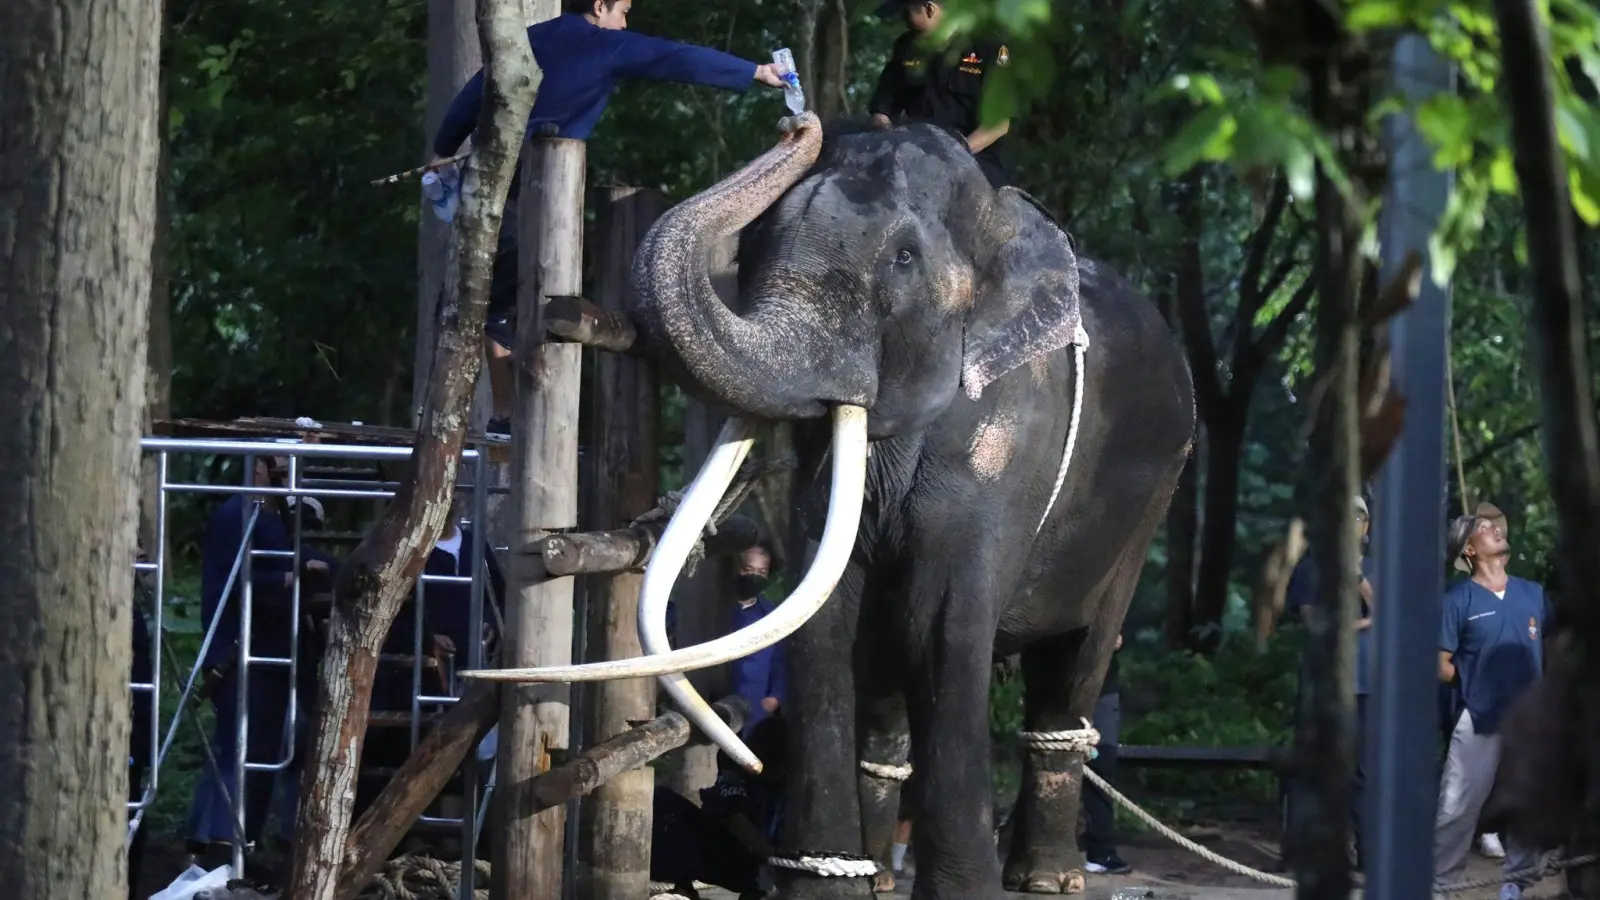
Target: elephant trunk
<point x="748" y="366"/>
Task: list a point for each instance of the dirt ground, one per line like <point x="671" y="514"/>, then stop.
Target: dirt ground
<point x="1161" y="869"/>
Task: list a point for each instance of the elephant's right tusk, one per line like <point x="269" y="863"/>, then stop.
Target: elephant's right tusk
<point x="848" y="491"/>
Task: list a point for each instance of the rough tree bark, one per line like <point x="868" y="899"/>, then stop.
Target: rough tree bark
<point x="380" y="573"/>
<point x="1224" y="402"/>
<point x="158" y="356"/>
<point x="823" y="55"/>
<point x="625" y="481"/>
<point x="78" y="153"/>
<point x="1557" y="333"/>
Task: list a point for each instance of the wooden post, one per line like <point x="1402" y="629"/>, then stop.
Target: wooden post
<point x="527" y="847"/>
<point x="625" y="479"/>
<point x="704" y="600"/>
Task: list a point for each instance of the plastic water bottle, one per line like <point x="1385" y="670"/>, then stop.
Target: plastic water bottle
<point x="441" y="193"/>
<point x="783" y="60"/>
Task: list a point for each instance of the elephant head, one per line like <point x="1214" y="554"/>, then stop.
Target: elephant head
<point x="878" y="271"/>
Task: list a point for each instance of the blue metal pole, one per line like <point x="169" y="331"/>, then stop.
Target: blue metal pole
<point x="1409" y="517"/>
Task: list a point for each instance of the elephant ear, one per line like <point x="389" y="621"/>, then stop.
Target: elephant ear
<point x="1032" y="295"/>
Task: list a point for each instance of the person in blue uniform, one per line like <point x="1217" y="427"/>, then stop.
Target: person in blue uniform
<point x="271" y="599"/>
<point x="1302" y="597"/>
<point x="762" y="678"/>
<point x="919" y="86"/>
<point x="1099" y="841"/>
<point x="1491" y="648"/>
<point x="582" y="53"/>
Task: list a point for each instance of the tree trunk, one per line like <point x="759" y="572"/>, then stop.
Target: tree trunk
<point x="379" y="575"/>
<point x="79" y="99"/>
<point x="1182" y="524"/>
<point x="625" y="481"/>
<point x="1224" y="442"/>
<point x="158" y="357"/>
<point x="535" y="718"/>
<point x="1557" y="333"/>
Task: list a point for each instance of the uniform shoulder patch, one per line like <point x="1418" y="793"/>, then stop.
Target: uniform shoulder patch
<point x="1002" y="56"/>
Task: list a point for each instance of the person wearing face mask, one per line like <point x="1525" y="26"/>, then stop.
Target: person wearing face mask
<point x="761" y="678"/>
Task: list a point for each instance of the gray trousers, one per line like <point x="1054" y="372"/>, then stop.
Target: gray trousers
<point x="1469" y="770"/>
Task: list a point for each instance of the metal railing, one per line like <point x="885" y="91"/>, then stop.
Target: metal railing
<point x="240" y="582"/>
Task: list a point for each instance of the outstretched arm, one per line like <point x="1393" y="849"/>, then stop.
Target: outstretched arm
<point x="636" y="55"/>
<point x="461" y="118"/>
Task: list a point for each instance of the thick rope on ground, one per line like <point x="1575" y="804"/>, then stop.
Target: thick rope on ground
<point x="425" y="878"/>
<point x="826" y="865"/>
<point x="750" y="473"/>
<point x="886" y="772"/>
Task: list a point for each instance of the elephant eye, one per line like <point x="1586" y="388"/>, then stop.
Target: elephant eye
<point x="903" y="257"/>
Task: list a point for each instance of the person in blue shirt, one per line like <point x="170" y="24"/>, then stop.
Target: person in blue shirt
<point x="762" y="678"/>
<point x="581" y="53"/>
<point x="271" y="599"/>
<point x="1301" y="597"/>
<point x="1491" y="648"/>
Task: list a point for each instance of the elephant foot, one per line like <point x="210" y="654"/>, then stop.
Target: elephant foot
<point x="1043" y="876"/>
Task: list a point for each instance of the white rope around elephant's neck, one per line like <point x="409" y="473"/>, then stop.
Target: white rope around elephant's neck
<point x="1072" y="434"/>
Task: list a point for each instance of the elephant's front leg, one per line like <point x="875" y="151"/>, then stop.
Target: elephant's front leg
<point x="885" y="765"/>
<point x="823" y="813"/>
<point x="1044" y="856"/>
<point x="948" y="702"/>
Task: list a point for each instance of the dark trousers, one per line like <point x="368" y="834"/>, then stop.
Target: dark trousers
<point x="500" y="321"/>
<point x="1099" y="835"/>
<point x="687" y="845"/>
<point x="138" y="764"/>
<point x="210" y="818"/>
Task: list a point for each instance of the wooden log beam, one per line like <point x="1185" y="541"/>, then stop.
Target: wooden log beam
<point x="418" y="782"/>
<point x="628" y="549"/>
<point x="527" y="848"/>
<point x="581" y="322"/>
<point x="623" y="753"/>
<point x="623" y="483"/>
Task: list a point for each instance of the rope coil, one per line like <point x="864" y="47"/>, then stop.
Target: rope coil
<point x="750" y="473"/>
<point x="426" y="878"/>
<point x="1081" y="741"/>
<point x="886" y="772"/>
<point x="826" y="865"/>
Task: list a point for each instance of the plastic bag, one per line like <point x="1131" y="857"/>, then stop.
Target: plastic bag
<point x="193" y="881"/>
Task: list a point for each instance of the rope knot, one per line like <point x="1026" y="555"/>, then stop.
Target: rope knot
<point x="1080" y="741"/>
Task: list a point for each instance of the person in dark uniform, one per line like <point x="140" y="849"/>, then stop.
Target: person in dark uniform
<point x="919" y="86"/>
<point x="582" y="53"/>
<point x="1099" y="840"/>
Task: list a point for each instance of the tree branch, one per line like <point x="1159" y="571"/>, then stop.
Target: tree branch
<point x="1191" y="297"/>
<point x="1251" y="292"/>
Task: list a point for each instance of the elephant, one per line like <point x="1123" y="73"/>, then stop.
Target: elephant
<point x="974" y="480"/>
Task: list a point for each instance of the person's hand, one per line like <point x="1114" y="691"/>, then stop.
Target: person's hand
<point x="443" y="644"/>
<point x="768" y="74"/>
<point x="1119" y="643"/>
<point x="315" y="567"/>
<point x="879" y="120"/>
<point x="1364" y="624"/>
<point x="1366" y="590"/>
<point x="770" y="704"/>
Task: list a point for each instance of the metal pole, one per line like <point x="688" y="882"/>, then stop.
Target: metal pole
<point x="1410" y="517"/>
<point x="241" y="711"/>
<point x="471" y="816"/>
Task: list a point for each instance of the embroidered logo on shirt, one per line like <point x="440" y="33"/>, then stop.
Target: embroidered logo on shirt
<point x="1533" y="630"/>
<point x="971" y="59"/>
<point x="1003" y="57"/>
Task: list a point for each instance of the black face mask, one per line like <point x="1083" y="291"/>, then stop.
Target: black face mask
<point x="747" y="586"/>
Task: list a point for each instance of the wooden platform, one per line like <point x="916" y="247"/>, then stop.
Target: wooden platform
<point x="319" y="432"/>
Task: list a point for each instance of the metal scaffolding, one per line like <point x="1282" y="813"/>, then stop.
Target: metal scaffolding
<point x="298" y="486"/>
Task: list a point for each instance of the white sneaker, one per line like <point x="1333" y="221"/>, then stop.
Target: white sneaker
<point x="1489" y="846"/>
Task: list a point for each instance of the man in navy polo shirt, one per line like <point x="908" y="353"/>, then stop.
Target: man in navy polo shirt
<point x="1491" y="647"/>
<point x="582" y="53"/>
<point x="761" y="678"/>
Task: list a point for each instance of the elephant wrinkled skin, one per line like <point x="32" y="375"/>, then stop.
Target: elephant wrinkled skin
<point x="879" y="269"/>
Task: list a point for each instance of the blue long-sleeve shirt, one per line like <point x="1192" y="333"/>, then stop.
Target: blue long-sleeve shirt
<point x="271" y="602"/>
<point x="762" y="674"/>
<point x="581" y="63"/>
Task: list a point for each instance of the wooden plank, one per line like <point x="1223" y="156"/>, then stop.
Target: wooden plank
<point x="416" y="784"/>
<point x="625" y="481"/>
<point x="248" y="427"/>
<point x="527" y="846"/>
